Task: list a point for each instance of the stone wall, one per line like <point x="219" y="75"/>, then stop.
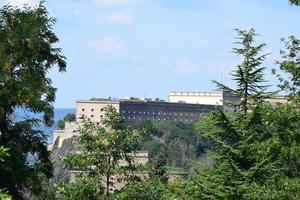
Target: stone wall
<point x="94" y="109"/>
<point x="135" y="112"/>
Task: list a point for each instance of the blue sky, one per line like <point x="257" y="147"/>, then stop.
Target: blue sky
<point x="147" y="48"/>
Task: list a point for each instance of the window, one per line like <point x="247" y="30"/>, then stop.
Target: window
<point x="92" y="109"/>
<point x="101" y="109"/>
<point x="159" y="113"/>
<point x="92" y="115"/>
<point x="153" y="113"/>
<point x="123" y="111"/>
<point x="98" y="123"/>
<point x="82" y="109"/>
<point x="101" y="116"/>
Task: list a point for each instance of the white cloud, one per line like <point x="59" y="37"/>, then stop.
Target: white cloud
<point x="186" y="67"/>
<point x="123" y="18"/>
<point x="107" y="46"/>
<point x="21" y="3"/>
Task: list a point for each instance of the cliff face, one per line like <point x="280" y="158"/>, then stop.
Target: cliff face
<point x="68" y="147"/>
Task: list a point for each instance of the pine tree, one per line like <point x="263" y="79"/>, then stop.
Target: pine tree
<point x="249" y="74"/>
<point x="256" y="153"/>
<point x="235" y="136"/>
<point x="295" y="2"/>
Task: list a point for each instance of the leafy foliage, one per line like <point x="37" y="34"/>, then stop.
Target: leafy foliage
<point x="256" y="153"/>
<point x="159" y="170"/>
<point x="103" y="149"/>
<point x="290" y="66"/>
<point x="3" y="154"/>
<point x="27" y="53"/>
<point x="295" y="2"/>
<point x="70" y="117"/>
<point x="4" y="195"/>
<point x="179" y="143"/>
<point x="85" y="187"/>
<point x="146" y="190"/>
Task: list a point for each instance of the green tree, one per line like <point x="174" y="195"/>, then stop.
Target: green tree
<point x="159" y="170"/>
<point x="103" y="149"/>
<point x="27" y="52"/>
<point x="295" y="2"/>
<point x="235" y="136"/>
<point x="290" y="67"/>
<point x="146" y="190"/>
<point x="70" y="117"/>
<point x="256" y="153"/>
<point x="249" y="74"/>
<point x="4" y="195"/>
<point x="3" y="154"/>
<point x="179" y="142"/>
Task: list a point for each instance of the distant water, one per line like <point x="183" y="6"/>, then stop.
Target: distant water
<point x="59" y="113"/>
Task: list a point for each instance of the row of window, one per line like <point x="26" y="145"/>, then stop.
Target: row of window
<point x="159" y="119"/>
<point x="149" y="113"/>
<point x="151" y="118"/>
<point x="175" y="114"/>
<point x="159" y="113"/>
<point x="101" y="116"/>
<point x="92" y="110"/>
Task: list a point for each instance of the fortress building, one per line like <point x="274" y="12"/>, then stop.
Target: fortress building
<point x="134" y="111"/>
<point x="215" y="98"/>
<point x="207" y="98"/>
<point x="184" y="107"/>
<point x="137" y="111"/>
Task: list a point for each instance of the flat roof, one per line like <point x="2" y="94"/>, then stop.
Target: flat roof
<point x="98" y="101"/>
